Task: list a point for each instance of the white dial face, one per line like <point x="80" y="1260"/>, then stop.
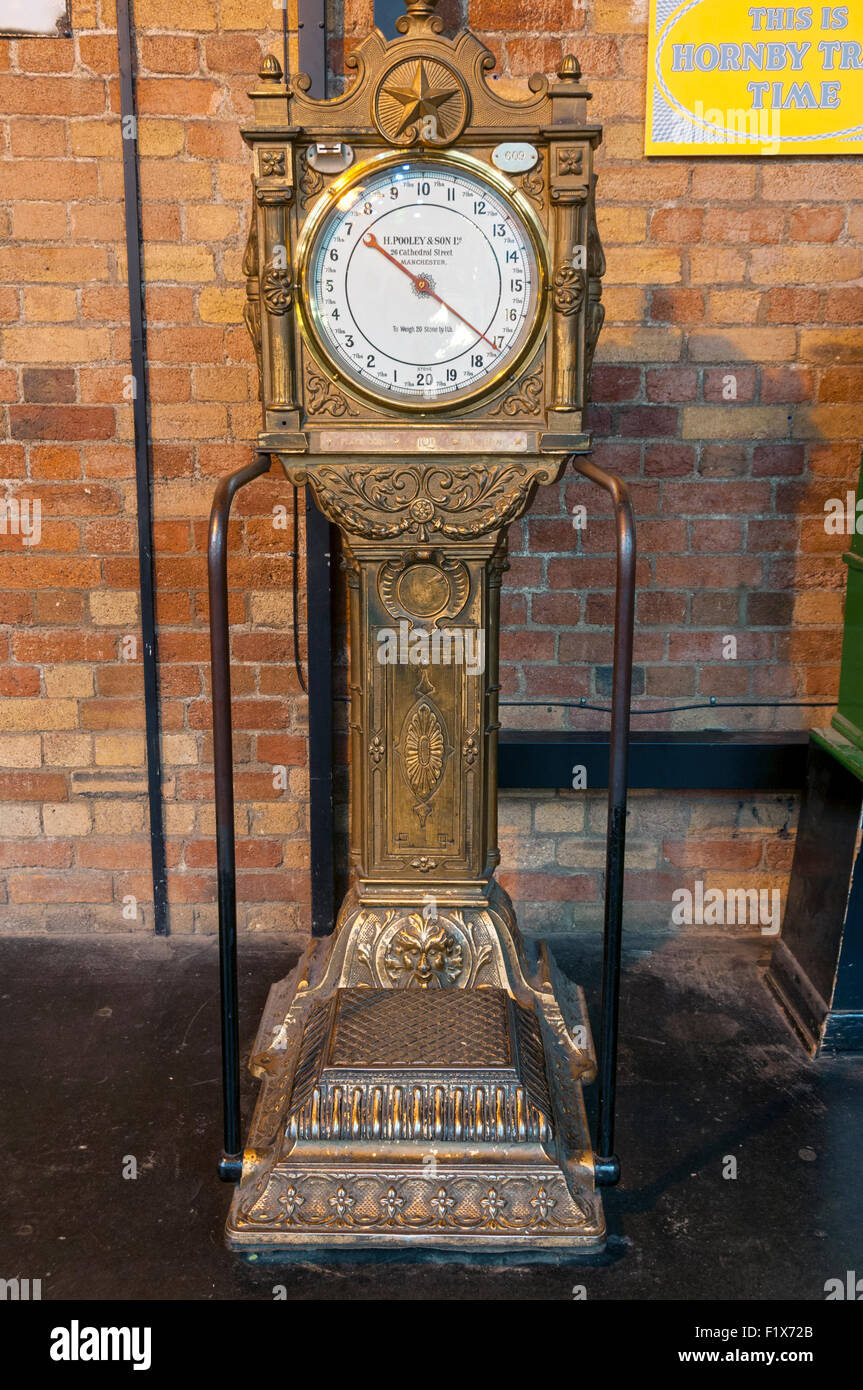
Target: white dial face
<point x="423" y="283"/>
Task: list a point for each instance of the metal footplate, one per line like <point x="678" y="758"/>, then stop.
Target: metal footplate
<point x="428" y="1118"/>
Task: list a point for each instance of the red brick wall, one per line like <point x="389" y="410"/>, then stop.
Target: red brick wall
<point x="74" y="827"/>
<point x="716" y="268"/>
<point x="749" y="268"/>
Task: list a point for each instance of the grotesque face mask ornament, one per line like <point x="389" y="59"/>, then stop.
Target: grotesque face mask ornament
<point x="423" y="955"/>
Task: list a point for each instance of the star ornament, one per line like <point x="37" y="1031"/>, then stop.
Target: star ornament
<point x="421" y="99"/>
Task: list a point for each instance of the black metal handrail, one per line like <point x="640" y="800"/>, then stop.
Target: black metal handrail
<point x="231" y="1161"/>
<point x="606" y="1163"/>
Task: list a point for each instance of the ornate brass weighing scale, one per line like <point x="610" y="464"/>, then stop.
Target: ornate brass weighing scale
<point x="424" y="279"/>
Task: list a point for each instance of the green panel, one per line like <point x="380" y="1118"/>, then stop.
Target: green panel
<point x="844" y="752"/>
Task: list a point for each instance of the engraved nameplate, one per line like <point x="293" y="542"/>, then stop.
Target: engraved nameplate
<point x="405" y="441"/>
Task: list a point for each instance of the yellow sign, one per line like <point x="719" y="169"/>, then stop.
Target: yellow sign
<point x="729" y="77"/>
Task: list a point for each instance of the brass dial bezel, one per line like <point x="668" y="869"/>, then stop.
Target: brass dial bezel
<point x="308" y="315"/>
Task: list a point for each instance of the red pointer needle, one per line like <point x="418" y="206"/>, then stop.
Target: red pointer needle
<point x="423" y="286"/>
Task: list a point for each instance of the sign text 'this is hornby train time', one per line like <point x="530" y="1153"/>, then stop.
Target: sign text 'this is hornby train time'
<point x="730" y="77"/>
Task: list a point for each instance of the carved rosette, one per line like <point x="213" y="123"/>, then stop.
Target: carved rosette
<point x="423" y="749"/>
<point x="568" y="286"/>
<point x="570" y="161"/>
<point x="273" y="163"/>
<point x="277" y="287"/>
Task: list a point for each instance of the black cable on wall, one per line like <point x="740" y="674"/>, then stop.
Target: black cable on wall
<point x="141" y="421"/>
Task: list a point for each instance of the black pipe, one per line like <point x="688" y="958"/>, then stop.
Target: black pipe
<point x="140" y="418"/>
<point x="320" y="544"/>
<point x="606" y="1163"/>
<point x="231" y="1161"/>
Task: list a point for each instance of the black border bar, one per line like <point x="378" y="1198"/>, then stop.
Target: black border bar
<point x="680" y="760"/>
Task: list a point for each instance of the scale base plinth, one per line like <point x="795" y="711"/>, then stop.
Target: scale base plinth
<point x="348" y="1208"/>
<point x="443" y="1119"/>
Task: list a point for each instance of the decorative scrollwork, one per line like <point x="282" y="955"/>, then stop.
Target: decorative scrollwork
<point x="311" y="181"/>
<point x="533" y="184"/>
<point x="595" y="320"/>
<point x="252" y="320"/>
<point x="595" y="271"/>
<point x="252" y="306"/>
<point x="455" y="500"/>
<point x="323" y="398"/>
<point x="568" y="286"/>
<point x="420" y="18"/>
<point x="250" y="255"/>
<point x="524" y="399"/>
<point x="595" y="253"/>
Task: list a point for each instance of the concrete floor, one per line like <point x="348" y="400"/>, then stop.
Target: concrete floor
<point x="111" y="1048"/>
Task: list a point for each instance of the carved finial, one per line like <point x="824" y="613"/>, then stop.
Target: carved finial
<point x="271" y="69"/>
<point x="420" y="18"/>
<point x="570" y="69"/>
